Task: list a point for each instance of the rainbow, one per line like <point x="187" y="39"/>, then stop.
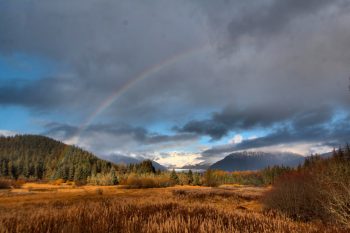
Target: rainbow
<point x="141" y="76"/>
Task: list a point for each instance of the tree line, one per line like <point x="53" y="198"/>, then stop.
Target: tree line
<point x="34" y="157"/>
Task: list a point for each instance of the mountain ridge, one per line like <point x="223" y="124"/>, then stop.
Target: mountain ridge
<point x="241" y="161"/>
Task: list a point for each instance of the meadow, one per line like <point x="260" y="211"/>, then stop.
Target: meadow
<point x="67" y="208"/>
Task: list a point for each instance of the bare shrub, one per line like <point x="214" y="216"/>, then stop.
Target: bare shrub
<point x="294" y="196"/>
<point x="333" y="187"/>
<point x="205" y="194"/>
<point x="99" y="191"/>
<point x="5" y="184"/>
<point x="58" y="182"/>
<point x="10" y="183"/>
<point x="318" y="190"/>
<point x="18" y="183"/>
<point x="134" y="181"/>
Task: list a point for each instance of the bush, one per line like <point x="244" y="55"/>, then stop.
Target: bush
<point x="99" y="191"/>
<point x="9" y="183"/>
<point x="293" y="195"/>
<point x="57" y="182"/>
<point x="210" y="179"/>
<point x="5" y="184"/>
<point x="101" y="179"/>
<point x="214" y="178"/>
<point x="320" y="189"/>
<point x="333" y="182"/>
<point x="134" y="181"/>
<point x="18" y="183"/>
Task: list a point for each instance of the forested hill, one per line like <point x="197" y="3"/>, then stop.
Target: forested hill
<point x="39" y="157"/>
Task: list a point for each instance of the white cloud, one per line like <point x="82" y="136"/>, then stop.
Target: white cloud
<point x="178" y="159"/>
<point x="304" y="149"/>
<point x="236" y="139"/>
<point x="253" y="137"/>
<point x="7" y="133"/>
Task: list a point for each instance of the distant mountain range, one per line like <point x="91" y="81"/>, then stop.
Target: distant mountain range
<point x="122" y="159"/>
<point x="241" y="161"/>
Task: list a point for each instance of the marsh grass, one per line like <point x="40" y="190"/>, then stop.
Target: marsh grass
<point x="108" y="215"/>
<point x="145" y="211"/>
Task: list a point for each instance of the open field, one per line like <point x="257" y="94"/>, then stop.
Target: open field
<point x="52" y="208"/>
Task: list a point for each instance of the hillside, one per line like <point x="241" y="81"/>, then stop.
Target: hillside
<point x="39" y="157"/>
<point x="256" y="160"/>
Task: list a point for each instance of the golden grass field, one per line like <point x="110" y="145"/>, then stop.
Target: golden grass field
<point x="65" y="208"/>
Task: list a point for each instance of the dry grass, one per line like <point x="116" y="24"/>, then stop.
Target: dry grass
<point x="211" y="194"/>
<point x="175" y="209"/>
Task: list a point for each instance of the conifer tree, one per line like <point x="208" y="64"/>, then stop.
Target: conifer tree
<point x="114" y="178"/>
<point x="190" y="177"/>
<point x="173" y="177"/>
<point x="196" y="179"/>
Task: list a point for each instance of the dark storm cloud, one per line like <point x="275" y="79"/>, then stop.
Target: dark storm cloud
<point x="64" y="131"/>
<point x="137" y="134"/>
<point x="93" y="45"/>
<point x="41" y="94"/>
<point x="307" y="127"/>
<point x="102" y="53"/>
<point x="235" y="119"/>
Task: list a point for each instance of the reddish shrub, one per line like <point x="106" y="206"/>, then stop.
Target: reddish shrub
<point x="294" y="195"/>
<point x="5" y="184"/>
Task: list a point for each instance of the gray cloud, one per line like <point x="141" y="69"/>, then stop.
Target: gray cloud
<point x="105" y="139"/>
<point x="305" y="128"/>
<point x="259" y="21"/>
<point x="272" y="18"/>
<point x="235" y="119"/>
<point x="39" y="94"/>
<point x="139" y="134"/>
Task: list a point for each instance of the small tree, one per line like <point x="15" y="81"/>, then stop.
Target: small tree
<point x="196" y="179"/>
<point x="210" y="179"/>
<point x="114" y="178"/>
<point x="190" y="177"/>
<point x="173" y="177"/>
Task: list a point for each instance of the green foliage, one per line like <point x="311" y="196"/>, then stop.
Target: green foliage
<point x="145" y="166"/>
<point x="210" y="179"/>
<point x="113" y="176"/>
<point x="271" y="174"/>
<point x="101" y="179"/>
<point x="196" y="179"/>
<point x="41" y="158"/>
<point x="38" y="157"/>
<point x="190" y="177"/>
<point x="173" y="177"/>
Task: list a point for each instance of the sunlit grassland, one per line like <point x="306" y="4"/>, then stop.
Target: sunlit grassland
<point x="52" y="208"/>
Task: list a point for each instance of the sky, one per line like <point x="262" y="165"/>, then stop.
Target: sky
<point x="179" y="82"/>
